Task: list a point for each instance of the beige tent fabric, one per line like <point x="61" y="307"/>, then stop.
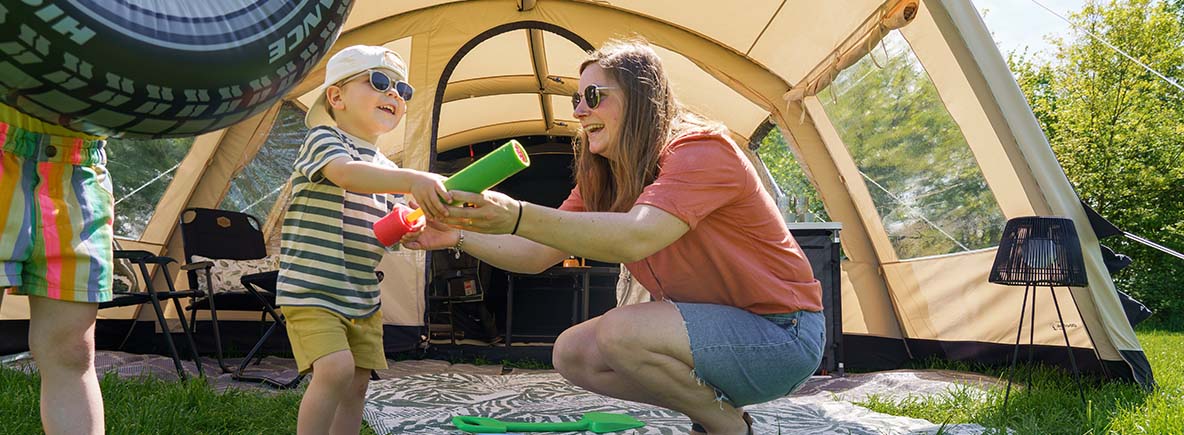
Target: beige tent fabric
<point x="938" y="305"/>
<point x="402" y="287"/>
<point x="973" y="108"/>
<point x="891" y="15"/>
<point x="587" y="20"/>
<point x="868" y="308"/>
<point x="503" y="68"/>
<point x="1099" y="303"/>
<point x="863" y="286"/>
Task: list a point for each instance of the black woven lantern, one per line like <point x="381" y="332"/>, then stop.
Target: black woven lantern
<point x="1039" y="251"/>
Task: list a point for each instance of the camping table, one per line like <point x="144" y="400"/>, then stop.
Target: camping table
<point x="581" y="279"/>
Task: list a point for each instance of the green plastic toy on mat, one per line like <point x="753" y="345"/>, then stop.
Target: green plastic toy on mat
<point x="596" y="422"/>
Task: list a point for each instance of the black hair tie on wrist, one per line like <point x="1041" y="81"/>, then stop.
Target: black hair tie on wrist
<point x="519" y="221"/>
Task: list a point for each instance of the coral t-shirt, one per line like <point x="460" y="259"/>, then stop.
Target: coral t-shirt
<point x="738" y="251"/>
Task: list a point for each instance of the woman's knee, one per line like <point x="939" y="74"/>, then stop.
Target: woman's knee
<point x="574" y="353"/>
<point x="568" y="353"/>
<point x="616" y="337"/>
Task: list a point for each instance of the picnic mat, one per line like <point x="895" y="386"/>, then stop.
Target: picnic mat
<point x="425" y="404"/>
<point x="421" y="396"/>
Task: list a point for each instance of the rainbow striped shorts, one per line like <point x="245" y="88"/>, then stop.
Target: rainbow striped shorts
<point x="56" y="216"/>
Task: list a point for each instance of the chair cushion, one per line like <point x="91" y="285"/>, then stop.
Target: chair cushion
<point x="126" y="276"/>
<point x="225" y="274"/>
<point x="124" y="280"/>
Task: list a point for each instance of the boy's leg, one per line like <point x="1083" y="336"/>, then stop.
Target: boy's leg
<point x="348" y="418"/>
<point x="62" y="341"/>
<point x="324" y="394"/>
<point x="365" y="344"/>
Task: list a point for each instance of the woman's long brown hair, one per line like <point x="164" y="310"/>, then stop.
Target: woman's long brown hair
<point x="652" y="118"/>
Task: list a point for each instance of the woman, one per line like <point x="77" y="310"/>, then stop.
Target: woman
<point x="736" y="317"/>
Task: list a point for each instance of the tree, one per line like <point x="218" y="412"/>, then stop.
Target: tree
<point x="257" y="186"/>
<point x="1118" y="129"/>
<point x="141" y="170"/>
<point x="802" y="200"/>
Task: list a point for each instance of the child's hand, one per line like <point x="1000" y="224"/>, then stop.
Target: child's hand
<point x="428" y="189"/>
<point x="435" y="235"/>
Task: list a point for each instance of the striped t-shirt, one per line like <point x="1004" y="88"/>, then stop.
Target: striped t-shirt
<point x="328" y="251"/>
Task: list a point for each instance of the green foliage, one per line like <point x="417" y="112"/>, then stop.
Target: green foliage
<point x="141" y="170"/>
<point x="1118" y="131"/>
<point x="256" y="188"/>
<point x="802" y="201"/>
<point x="918" y="168"/>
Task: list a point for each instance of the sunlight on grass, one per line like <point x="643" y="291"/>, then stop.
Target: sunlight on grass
<point x="151" y="406"/>
<point x="1053" y="405"/>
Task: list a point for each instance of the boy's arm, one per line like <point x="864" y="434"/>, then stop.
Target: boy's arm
<point x="365" y="177"/>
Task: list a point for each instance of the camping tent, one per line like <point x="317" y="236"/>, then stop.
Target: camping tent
<point x="920" y="215"/>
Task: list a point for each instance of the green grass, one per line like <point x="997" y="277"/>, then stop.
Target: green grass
<point x="1053" y="405"/>
<point x="151" y="406"/>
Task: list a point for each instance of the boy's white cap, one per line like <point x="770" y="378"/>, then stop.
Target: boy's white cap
<point x="347" y="62"/>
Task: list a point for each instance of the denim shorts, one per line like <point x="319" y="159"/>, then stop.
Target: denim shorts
<point x="749" y="358"/>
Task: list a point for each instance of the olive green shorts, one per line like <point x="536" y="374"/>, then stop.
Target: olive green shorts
<point x="316" y="332"/>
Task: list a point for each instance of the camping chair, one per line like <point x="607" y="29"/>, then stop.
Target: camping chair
<point x="457" y="280"/>
<point x="228" y="235"/>
<point x="146" y="294"/>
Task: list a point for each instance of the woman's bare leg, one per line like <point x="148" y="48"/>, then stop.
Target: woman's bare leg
<point x="642" y="353"/>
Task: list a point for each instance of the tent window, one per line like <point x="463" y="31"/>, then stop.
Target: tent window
<point x="141" y="170"/>
<point x="255" y="189"/>
<point x="915" y="161"/>
<point x="797" y="198"/>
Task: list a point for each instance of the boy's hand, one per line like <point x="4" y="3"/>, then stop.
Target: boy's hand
<point x="435" y="235"/>
<point x="428" y="189"/>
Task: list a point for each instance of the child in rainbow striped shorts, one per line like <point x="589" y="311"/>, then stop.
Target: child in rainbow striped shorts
<point x="56" y="213"/>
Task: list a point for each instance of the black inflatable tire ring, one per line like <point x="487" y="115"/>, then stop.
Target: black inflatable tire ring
<point x="114" y="68"/>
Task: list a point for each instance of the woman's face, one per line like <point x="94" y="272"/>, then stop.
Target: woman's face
<point x="602" y="124"/>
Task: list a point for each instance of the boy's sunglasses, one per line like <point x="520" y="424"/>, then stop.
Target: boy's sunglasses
<point x="382" y="83"/>
<point x="591" y="95"/>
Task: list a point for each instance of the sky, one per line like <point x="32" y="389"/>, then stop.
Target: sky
<point x="1019" y="23"/>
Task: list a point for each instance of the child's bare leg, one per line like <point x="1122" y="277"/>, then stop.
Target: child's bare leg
<point x="348" y="418"/>
<point x="329" y="374"/>
<point x="62" y="340"/>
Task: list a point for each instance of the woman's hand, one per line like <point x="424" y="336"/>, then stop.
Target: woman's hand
<point x="428" y="189"/>
<point x="490" y="212"/>
<point x="434" y="235"/>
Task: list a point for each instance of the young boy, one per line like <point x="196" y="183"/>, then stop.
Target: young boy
<point x="56" y="214"/>
<point x="327" y="284"/>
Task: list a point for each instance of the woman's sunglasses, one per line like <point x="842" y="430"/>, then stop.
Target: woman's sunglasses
<point x="591" y="95"/>
<point x="382" y="83"/>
